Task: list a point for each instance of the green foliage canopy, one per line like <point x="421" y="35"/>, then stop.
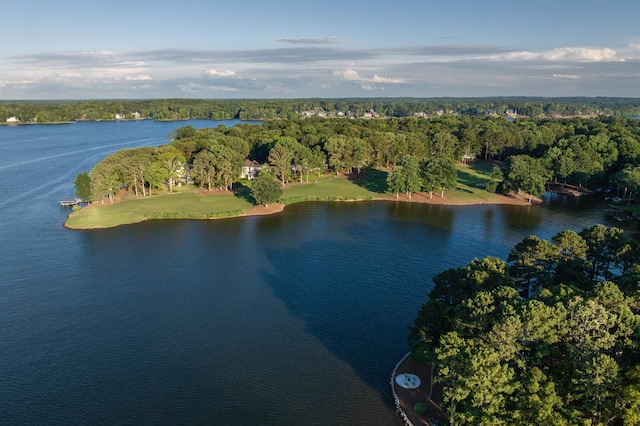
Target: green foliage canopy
<point x="552" y="337"/>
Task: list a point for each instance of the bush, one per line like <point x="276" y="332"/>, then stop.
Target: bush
<point x="421" y="408"/>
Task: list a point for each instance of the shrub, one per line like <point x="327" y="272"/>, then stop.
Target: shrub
<point x="421" y="408"/>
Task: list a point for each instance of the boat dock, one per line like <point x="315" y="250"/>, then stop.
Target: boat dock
<point x="69" y="202"/>
<point x="567" y="189"/>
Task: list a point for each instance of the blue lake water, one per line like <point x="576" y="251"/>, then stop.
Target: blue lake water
<point x="295" y="318"/>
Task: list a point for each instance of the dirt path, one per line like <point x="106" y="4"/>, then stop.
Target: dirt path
<point x="408" y="398"/>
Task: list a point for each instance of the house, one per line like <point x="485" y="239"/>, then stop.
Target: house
<point x="468" y="157"/>
<point x="250" y="169"/>
<point x="13" y="120"/>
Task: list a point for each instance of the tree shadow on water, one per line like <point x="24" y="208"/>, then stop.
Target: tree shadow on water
<point x="344" y="305"/>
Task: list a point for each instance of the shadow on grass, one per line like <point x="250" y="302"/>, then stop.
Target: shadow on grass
<point x="243" y="192"/>
<point x="370" y="179"/>
<point x="468" y="179"/>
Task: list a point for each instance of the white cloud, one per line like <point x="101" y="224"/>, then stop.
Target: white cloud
<point x="566" y="76"/>
<point x="227" y="73"/>
<point x="570" y="54"/>
<point x="139" y="78"/>
<point x="348" y="74"/>
<point x="353" y="75"/>
<point x="310" y="40"/>
<point x="379" y="79"/>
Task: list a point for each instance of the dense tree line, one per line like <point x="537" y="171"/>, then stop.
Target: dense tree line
<point x="552" y="336"/>
<point x="180" y="109"/>
<point x="419" y="154"/>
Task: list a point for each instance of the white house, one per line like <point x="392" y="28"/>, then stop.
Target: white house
<point x="13" y="120"/>
<point x="250" y="169"/>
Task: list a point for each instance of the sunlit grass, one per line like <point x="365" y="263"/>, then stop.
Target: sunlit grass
<point x="188" y="203"/>
<point x="183" y="204"/>
<point x="470" y="185"/>
<point x="329" y="187"/>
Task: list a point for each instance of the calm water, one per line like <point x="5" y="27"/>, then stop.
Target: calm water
<point x="296" y="318"/>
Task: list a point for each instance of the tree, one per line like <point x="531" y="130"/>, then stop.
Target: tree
<point x="173" y="162"/>
<point x="602" y="247"/>
<point x="438" y="173"/>
<point x="361" y="154"/>
<point x="571" y="265"/>
<point x="527" y="174"/>
<point x="411" y="168"/>
<point x="444" y="144"/>
<point x="227" y="165"/>
<point x="83" y="186"/>
<point x="105" y="178"/>
<point x="133" y="165"/>
<point x="280" y="159"/>
<point x="405" y="177"/>
<point x="533" y="259"/>
<point x="265" y="189"/>
<point x="395" y="180"/>
<point x="156" y="175"/>
<point x="561" y="161"/>
<point x="337" y="148"/>
<point x="204" y="169"/>
<point x="494" y="179"/>
<point x="567" y="355"/>
<point x="628" y="179"/>
<point x="604" y="146"/>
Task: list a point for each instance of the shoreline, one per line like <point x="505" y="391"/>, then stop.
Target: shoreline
<point x="261" y="210"/>
<point x="406" y="399"/>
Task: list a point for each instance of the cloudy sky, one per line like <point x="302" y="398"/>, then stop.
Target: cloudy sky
<point x="67" y="49"/>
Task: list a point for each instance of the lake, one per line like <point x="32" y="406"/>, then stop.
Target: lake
<point x="295" y="318"/>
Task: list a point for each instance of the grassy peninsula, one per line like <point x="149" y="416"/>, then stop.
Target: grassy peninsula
<point x="189" y="202"/>
<point x="208" y="173"/>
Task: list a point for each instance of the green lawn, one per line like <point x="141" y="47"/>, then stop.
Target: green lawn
<point x="330" y="188"/>
<point x="178" y="205"/>
<point x="469" y="177"/>
<point x="189" y="204"/>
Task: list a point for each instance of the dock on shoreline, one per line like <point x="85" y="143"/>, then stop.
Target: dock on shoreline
<point x="69" y="202"/>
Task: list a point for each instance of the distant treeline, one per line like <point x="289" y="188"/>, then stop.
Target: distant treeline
<point x="182" y="109"/>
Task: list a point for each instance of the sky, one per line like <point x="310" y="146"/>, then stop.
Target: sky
<point x="254" y="49"/>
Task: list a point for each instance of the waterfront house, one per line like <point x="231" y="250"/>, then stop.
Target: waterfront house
<point x="250" y="169"/>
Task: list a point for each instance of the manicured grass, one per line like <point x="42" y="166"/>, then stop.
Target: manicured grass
<point x="328" y="188"/>
<point x="186" y="203"/>
<point x="177" y="205"/>
<point x="469" y="177"/>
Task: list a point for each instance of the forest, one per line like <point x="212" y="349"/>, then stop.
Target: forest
<point x="418" y="154"/>
<point x="184" y="109"/>
<point x="549" y="337"/>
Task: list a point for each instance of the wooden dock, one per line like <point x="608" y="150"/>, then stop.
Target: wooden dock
<point x="567" y="189"/>
<point x="69" y="202"/>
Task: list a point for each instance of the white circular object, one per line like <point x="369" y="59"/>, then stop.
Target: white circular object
<point x="408" y="381"/>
